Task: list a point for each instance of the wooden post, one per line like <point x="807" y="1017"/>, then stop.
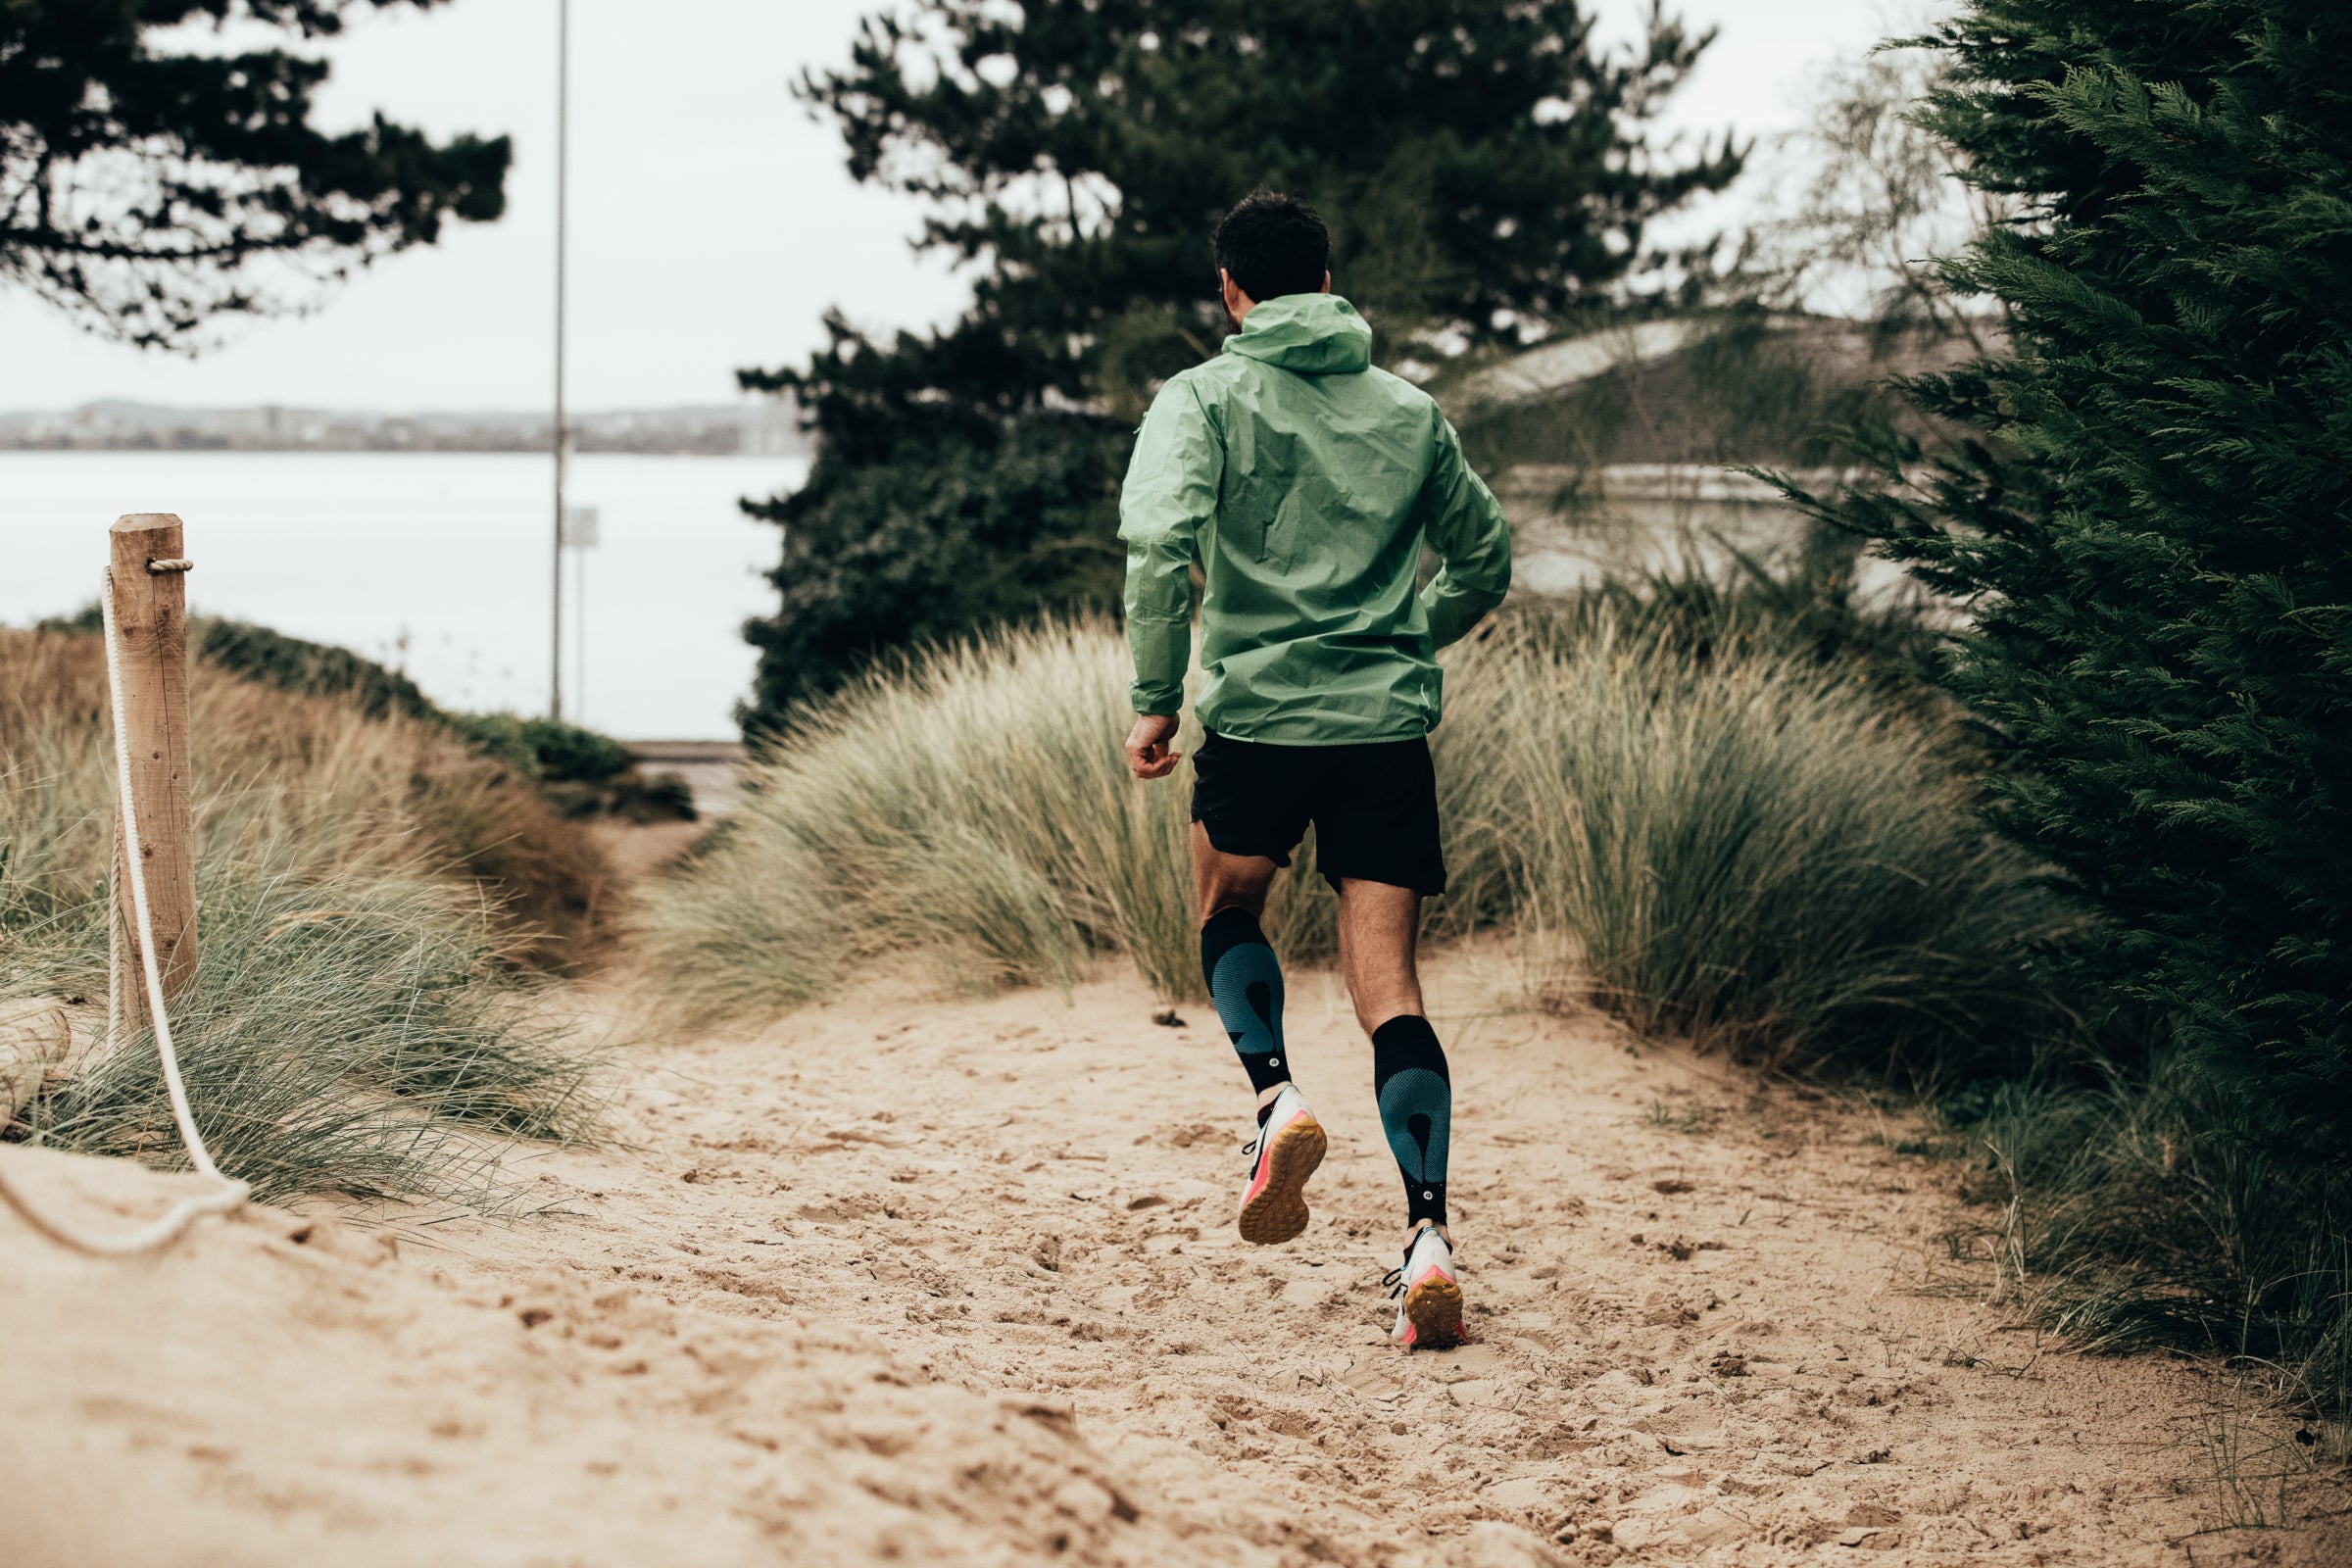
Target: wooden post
<point x="151" y="611"/>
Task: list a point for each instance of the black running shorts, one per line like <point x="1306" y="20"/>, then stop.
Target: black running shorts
<point x="1374" y="807"/>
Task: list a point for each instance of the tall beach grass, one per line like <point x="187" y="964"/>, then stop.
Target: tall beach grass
<point x="1742" y="844"/>
<point x="351" y="1034"/>
<point x="312" y="783"/>
<point x="2128" y="1203"/>
<point x="1734" y="844"/>
<point x="359" y="1021"/>
<point x="969" y="808"/>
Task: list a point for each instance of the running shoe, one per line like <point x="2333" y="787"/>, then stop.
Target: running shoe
<point x="1430" y="1317"/>
<point x="1290" y="1145"/>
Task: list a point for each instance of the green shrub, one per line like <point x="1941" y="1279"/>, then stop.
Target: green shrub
<point x="2153" y="525"/>
<point x="2158" y="536"/>
<point x="660" y="797"/>
<point x="318" y="669"/>
<point x="545" y="748"/>
<point x="548" y="750"/>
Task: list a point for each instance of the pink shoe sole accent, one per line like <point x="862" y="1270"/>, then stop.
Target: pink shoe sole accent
<point x="1433" y="1313"/>
<point x="1275" y="1207"/>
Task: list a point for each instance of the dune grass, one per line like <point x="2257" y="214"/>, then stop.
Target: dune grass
<point x="347" y="1035"/>
<point x="2136" y="1206"/>
<point x="969" y="808"/>
<point x="360" y="1021"/>
<point x="1747" y="846"/>
<point x="311" y="784"/>
<point x="1731" y="843"/>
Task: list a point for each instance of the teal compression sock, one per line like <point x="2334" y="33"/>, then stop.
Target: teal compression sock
<point x="1416" y="1110"/>
<point x="1245" y="983"/>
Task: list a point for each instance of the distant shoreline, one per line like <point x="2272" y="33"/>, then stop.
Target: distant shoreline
<point x="770" y="428"/>
<point x="9" y="450"/>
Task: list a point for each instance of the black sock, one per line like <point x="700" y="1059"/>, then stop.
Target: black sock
<point x="1416" y="1110"/>
<point x="1245" y="984"/>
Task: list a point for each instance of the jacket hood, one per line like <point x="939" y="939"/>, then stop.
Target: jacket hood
<point x="1306" y="334"/>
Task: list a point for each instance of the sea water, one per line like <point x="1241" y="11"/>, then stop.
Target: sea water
<point x="439" y="564"/>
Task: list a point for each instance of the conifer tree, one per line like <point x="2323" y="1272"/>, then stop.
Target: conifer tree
<point x="1483" y="165"/>
<point x="148" y="188"/>
<point x="2155" y="530"/>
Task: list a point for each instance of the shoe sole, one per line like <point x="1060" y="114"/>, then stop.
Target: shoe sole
<point x="1279" y="1212"/>
<point x="1434" y="1308"/>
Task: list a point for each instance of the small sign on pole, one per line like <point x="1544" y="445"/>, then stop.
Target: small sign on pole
<point x="579" y="536"/>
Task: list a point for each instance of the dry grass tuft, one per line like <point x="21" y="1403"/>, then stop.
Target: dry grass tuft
<point x="971" y="807"/>
<point x="1739" y="846"/>
<point x="324" y="787"/>
<point x="1745" y="846"/>
<point x="369" y="890"/>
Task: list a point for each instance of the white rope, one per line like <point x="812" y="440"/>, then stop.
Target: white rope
<point x="129" y="865"/>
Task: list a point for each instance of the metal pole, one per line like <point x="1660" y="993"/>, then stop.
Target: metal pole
<point x="579" y="621"/>
<point x="555" y="677"/>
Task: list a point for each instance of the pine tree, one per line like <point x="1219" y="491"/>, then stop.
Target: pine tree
<point x="147" y="191"/>
<point x="1482" y="169"/>
<point x="2156" y="529"/>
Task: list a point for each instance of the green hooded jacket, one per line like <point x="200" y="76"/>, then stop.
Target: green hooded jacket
<point x="1304" y="482"/>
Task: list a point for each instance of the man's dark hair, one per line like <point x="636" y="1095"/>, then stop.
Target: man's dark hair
<point x="1272" y="244"/>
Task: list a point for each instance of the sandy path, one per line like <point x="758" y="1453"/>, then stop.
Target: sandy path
<point x="832" y="1302"/>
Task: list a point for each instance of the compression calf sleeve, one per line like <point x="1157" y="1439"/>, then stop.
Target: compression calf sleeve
<point x="1245" y="984"/>
<point x="1416" y="1110"/>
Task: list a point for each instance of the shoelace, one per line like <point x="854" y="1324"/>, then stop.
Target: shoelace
<point x="1251" y="1148"/>
<point x="1393" y="1279"/>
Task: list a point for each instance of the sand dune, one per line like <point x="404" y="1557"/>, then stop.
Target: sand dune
<point x="910" y="1281"/>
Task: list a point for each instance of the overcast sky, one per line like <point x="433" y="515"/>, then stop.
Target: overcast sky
<point x="712" y="220"/>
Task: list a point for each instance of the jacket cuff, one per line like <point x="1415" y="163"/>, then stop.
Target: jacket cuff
<point x="1156" y="702"/>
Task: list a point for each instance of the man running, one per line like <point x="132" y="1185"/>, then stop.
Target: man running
<point x="1303" y="484"/>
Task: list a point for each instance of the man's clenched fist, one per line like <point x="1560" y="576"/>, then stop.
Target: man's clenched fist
<point x="1148" y="752"/>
